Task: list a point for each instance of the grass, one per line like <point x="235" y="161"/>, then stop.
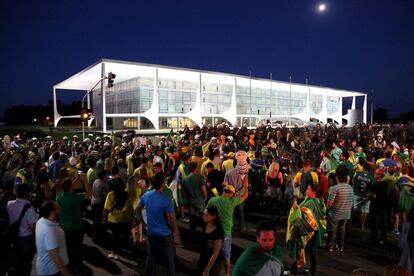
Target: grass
<point x="43" y="131"/>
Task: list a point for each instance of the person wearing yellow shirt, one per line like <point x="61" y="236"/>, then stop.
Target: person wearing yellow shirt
<point x="228" y="164"/>
<point x="143" y="172"/>
<point x="119" y="210"/>
<point x="198" y="158"/>
<point x="210" y="159"/>
<point x="304" y="173"/>
<point x="131" y="159"/>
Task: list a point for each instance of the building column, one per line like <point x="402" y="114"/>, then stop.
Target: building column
<point x="353" y="102"/>
<point x="340" y="109"/>
<point x="365" y="109"/>
<point x="56" y="115"/>
<point x="325" y="106"/>
<point x="152" y="114"/>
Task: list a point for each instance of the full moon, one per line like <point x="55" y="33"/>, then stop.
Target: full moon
<point x="322" y="7"/>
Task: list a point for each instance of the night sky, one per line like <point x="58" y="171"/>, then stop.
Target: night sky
<point x="359" y="45"/>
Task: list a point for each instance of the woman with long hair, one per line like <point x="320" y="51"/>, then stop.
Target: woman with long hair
<point x="135" y="191"/>
<point x="211" y="241"/>
<point x="43" y="187"/>
<point x="63" y="173"/>
<point x="274" y="192"/>
<point x="119" y="211"/>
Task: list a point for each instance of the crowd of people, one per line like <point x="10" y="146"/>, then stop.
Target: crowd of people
<point x="313" y="180"/>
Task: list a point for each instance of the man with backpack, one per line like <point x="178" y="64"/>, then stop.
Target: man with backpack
<point x="22" y="220"/>
<point x="305" y="178"/>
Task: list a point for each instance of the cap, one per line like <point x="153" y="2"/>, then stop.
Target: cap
<point x="231" y="154"/>
<point x="230" y="188"/>
<point x="73" y="161"/>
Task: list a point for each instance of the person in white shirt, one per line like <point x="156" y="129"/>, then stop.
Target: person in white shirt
<point x="52" y="256"/>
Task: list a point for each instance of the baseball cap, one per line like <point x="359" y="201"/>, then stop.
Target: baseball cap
<point x="230" y="188"/>
<point x="231" y="154"/>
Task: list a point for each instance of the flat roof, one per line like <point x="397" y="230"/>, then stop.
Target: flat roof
<point x="125" y="70"/>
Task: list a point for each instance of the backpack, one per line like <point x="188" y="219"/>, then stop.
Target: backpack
<point x="305" y="181"/>
<point x="12" y="233"/>
<point x="323" y="183"/>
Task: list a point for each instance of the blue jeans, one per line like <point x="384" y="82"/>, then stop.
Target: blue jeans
<point x="240" y="215"/>
<point x="162" y="247"/>
<point x="335" y="226"/>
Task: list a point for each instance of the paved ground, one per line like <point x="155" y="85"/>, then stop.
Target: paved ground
<point x="357" y="253"/>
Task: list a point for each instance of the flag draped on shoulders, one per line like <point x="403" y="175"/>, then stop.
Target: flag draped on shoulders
<point x="302" y="224"/>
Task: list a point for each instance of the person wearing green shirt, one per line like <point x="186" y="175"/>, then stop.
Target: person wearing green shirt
<point x="71" y="222"/>
<point x="225" y="204"/>
<point x="360" y="154"/>
<point x="91" y="173"/>
<point x="335" y="155"/>
<point x="390" y="179"/>
<point x="349" y="166"/>
<point x="262" y="258"/>
<point x="362" y="189"/>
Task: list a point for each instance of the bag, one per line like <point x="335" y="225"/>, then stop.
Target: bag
<point x="305" y="181"/>
<point x="12" y="233"/>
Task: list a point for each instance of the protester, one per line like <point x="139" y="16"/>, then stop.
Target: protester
<point x="24" y="245"/>
<point x="52" y="257"/>
<point x="161" y="223"/>
<point x="211" y="243"/>
<point x="197" y="194"/>
<point x="238" y="178"/>
<point x="100" y="190"/>
<point x="225" y="204"/>
<point x="118" y="211"/>
<point x="339" y="205"/>
<point x="379" y="193"/>
<point x="71" y="222"/>
<point x="262" y="258"/>
<point x="363" y="184"/>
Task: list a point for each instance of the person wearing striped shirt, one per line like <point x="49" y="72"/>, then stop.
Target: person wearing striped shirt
<point x="339" y="205"/>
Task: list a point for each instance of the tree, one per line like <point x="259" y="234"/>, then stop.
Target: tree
<point x="25" y="114"/>
<point x="381" y="115"/>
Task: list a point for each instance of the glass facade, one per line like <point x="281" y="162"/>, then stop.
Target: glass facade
<point x="333" y="104"/>
<point x="215" y="97"/>
<point x="176" y="96"/>
<point x="275" y="102"/>
<point x="316" y="104"/>
<point x="187" y="96"/>
<point x="131" y="96"/>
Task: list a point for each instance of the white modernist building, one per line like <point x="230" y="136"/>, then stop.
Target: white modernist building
<point x="155" y="97"/>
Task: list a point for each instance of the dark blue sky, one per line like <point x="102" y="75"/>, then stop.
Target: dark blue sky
<point x="360" y="45"/>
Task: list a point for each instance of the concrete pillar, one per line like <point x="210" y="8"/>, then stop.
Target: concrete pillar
<point x="365" y="108"/>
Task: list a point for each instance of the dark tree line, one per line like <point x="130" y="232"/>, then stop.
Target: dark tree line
<point x="38" y="114"/>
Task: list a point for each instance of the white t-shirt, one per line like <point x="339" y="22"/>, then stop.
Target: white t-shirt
<point x="49" y="236"/>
